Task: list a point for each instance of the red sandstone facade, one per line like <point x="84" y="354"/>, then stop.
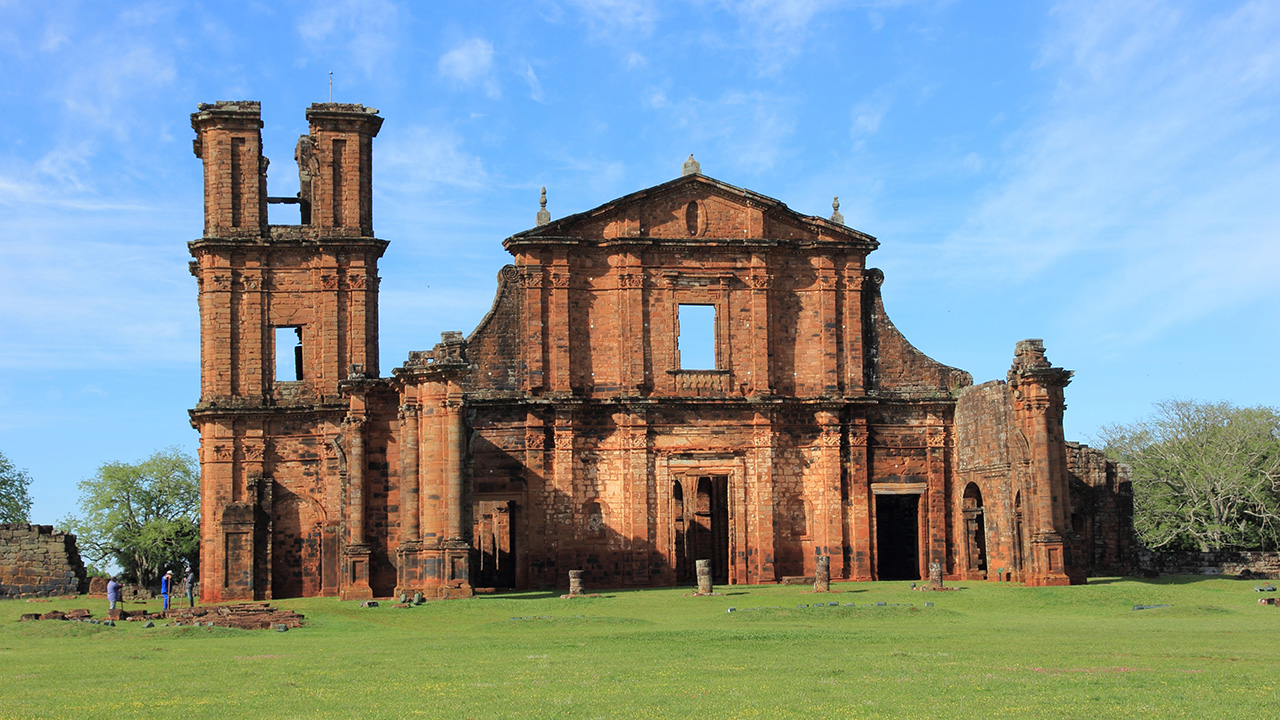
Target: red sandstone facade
<point x="566" y="433"/>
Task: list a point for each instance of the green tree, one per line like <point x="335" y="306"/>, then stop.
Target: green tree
<point x="144" y="517"/>
<point x="1206" y="476"/>
<point x="15" y="501"/>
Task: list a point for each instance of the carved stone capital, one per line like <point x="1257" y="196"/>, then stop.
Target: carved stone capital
<point x="535" y="440"/>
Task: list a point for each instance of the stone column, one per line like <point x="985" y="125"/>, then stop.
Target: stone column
<point x="704" y="577"/>
<point x="355" y="481"/>
<point x="575" y="583"/>
<point x="457" y="450"/>
<point x="822" y="576"/>
<point x="760" y="280"/>
<point x="851" y="322"/>
<point x="409" y="475"/>
<point x="860" y="500"/>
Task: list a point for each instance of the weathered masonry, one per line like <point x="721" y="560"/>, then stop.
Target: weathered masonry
<point x="578" y="428"/>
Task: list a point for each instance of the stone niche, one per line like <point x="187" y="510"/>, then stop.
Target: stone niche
<point x="35" y="561"/>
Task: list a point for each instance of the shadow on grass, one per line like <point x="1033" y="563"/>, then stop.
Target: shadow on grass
<point x="1169" y="579"/>
<point x="520" y="595"/>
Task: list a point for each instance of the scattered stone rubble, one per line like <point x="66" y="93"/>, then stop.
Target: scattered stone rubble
<point x="245" y="616"/>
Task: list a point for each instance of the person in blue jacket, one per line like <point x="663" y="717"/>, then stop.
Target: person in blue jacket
<point x="166" y="587"/>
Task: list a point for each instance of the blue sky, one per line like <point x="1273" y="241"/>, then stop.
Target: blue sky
<point x="1103" y="175"/>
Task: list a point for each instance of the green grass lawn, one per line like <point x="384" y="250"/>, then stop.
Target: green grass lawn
<point x="989" y="650"/>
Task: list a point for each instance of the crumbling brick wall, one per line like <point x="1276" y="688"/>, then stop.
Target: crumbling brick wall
<point x="1221" y="562"/>
<point x="35" y="561"/>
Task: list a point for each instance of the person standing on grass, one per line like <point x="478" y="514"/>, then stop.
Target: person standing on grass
<point x="166" y="587"/>
<point x="191" y="587"/>
<point x="113" y="593"/>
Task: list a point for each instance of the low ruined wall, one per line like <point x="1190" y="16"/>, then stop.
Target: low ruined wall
<point x="1223" y="562"/>
<point x="35" y="561"/>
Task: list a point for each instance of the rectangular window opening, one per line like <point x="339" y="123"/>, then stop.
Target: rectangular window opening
<point x="289" y="353"/>
<point x="697" y="339"/>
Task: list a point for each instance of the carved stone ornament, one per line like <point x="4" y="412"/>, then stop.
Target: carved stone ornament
<point x="763" y="438"/>
<point x="853" y="280"/>
<point x="760" y="281"/>
<point x="531" y="277"/>
<point x="829" y="438"/>
<point x="329" y="282"/>
<point x="253" y="452"/>
<point x="559" y="279"/>
<point x="357" y="282"/>
<point x="826" y="281"/>
<point x="535" y="440"/>
<point x="636" y="440"/>
<point x="564" y="439"/>
<point x="936" y="439"/>
<point x="222" y="453"/>
<point x="858" y="439"/>
<point x="630" y="281"/>
<point x="220" y="282"/>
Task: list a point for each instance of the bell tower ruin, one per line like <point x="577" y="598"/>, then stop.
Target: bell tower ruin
<point x="288" y="328"/>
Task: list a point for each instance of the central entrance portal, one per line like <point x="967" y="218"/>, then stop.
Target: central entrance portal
<point x="898" y="537"/>
<point x="701" y="529"/>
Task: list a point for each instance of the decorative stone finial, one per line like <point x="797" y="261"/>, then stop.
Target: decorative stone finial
<point x="691" y="167"/>
<point x="836" y="217"/>
<point x="544" y="217"/>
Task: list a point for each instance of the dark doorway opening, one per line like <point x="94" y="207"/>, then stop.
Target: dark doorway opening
<point x="702" y="528"/>
<point x="683" y="573"/>
<point x="495" y="540"/>
<point x="975" y="530"/>
<point x="897" y="537"/>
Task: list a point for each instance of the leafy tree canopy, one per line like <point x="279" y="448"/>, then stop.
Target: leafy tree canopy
<point x="1206" y="476"/>
<point x="144" y="517"/>
<point x="15" y="501"/>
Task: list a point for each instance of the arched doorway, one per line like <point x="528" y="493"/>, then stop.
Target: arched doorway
<point x="1017" y="533"/>
<point x="975" y="531"/>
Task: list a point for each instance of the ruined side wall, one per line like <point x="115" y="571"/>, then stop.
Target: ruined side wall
<point x="37" y="562"/>
<point x="993" y="455"/>
<point x="494" y="346"/>
<point x="897" y="367"/>
<point x="1101" y="512"/>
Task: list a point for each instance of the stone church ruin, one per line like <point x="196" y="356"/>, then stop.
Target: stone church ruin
<point x="572" y="430"/>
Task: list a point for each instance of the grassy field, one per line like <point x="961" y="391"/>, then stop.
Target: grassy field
<point x="984" y="651"/>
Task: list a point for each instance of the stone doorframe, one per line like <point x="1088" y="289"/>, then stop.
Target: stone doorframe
<point x="922" y="524"/>
<point x="685" y="469"/>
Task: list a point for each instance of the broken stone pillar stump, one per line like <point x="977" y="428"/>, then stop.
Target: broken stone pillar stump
<point x="935" y="575"/>
<point x="575" y="583"/>
<point x="822" y="577"/>
<point x="704" y="577"/>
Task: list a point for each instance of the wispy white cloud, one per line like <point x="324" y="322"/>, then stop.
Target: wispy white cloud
<point x="618" y="19"/>
<point x="1158" y="151"/>
<point x="867" y="116"/>
<point x="469" y="63"/>
<point x="749" y="131"/>
<point x="535" y="85"/>
<point x="778" y="30"/>
<point x="367" y="30"/>
<point x="418" y="159"/>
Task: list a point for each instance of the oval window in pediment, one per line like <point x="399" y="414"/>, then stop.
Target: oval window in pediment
<point x="691" y="217"/>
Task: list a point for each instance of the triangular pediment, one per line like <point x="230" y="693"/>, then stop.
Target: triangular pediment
<point x="696" y="208"/>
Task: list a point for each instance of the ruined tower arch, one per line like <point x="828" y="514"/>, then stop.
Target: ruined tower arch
<point x="975" y="532"/>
